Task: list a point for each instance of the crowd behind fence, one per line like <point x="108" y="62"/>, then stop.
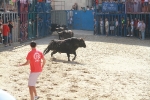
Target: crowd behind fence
<point x="123" y="25"/>
<point x="126" y="6"/>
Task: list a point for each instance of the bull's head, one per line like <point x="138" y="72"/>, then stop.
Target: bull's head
<point x="82" y="43"/>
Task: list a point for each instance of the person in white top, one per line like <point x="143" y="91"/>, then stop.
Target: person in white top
<point x="138" y="28"/>
<point x="132" y="27"/>
<point x="106" y="26"/>
<point x="116" y="27"/>
<point x="142" y="29"/>
<point x="101" y="26"/>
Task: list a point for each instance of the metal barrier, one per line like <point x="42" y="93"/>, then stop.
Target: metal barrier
<point x="59" y="17"/>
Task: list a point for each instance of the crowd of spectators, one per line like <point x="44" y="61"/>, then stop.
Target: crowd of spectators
<point x="134" y="27"/>
<point x="129" y="6"/>
<point x="6" y="32"/>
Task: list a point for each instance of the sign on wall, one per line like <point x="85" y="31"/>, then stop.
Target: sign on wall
<point x="109" y="7"/>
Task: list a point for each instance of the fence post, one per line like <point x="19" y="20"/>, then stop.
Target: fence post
<point x="19" y="35"/>
<point x="37" y="18"/>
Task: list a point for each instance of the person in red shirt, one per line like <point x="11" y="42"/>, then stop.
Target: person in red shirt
<point x="5" y="34"/>
<point x="34" y="58"/>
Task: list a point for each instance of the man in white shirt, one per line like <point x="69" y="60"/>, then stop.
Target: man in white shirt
<point x="101" y="26"/>
<point x="106" y="26"/>
<point x="138" y="28"/>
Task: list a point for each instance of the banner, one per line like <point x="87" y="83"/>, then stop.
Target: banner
<point x="109" y="7"/>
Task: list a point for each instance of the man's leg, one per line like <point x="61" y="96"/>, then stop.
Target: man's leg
<point x="31" y="91"/>
<point x="34" y="90"/>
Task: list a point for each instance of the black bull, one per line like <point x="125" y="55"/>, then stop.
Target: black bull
<point x="65" y="34"/>
<point x="68" y="46"/>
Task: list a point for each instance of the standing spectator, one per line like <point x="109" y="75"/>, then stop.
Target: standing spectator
<point x="95" y="26"/>
<point x="138" y="28"/>
<point x="139" y="6"/>
<point x="101" y="26"/>
<point x="87" y="8"/>
<point x="132" y="27"/>
<point x="106" y="26"/>
<point x="5" y="34"/>
<point x="146" y="5"/>
<point x="128" y="27"/>
<point x="142" y="3"/>
<point x="116" y="27"/>
<point x="34" y="58"/>
<point x="123" y="25"/>
<point x="75" y="6"/>
<point x="70" y="21"/>
<point x="135" y="26"/>
<point x="142" y="29"/>
<point x="135" y="6"/>
<point x="112" y="24"/>
<point x="1" y="30"/>
<point x="10" y="25"/>
<point x="149" y="6"/>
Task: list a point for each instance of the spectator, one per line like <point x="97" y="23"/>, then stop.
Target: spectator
<point x="95" y="26"/>
<point x="135" y="26"/>
<point x="70" y="20"/>
<point x="139" y="6"/>
<point x="116" y="27"/>
<point x="101" y="26"/>
<point x="10" y="25"/>
<point x="76" y="6"/>
<point x="142" y="29"/>
<point x="132" y="27"/>
<point x="135" y="6"/>
<point x="87" y="8"/>
<point x="123" y="25"/>
<point x="138" y="28"/>
<point x="112" y="24"/>
<point x="128" y="27"/>
<point x="1" y="30"/>
<point x="142" y="3"/>
<point x="106" y="26"/>
<point x="146" y="5"/>
<point x="5" y="34"/>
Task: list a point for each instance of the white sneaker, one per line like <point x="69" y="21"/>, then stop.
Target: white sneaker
<point x="36" y="97"/>
<point x="128" y="35"/>
<point x="131" y="35"/>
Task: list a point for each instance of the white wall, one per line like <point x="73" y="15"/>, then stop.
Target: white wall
<point x="67" y="4"/>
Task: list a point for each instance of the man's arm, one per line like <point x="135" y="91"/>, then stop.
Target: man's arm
<point x="26" y="63"/>
<point x="44" y="61"/>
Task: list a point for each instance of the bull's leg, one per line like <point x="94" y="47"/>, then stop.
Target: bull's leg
<point x="68" y="55"/>
<point x="74" y="56"/>
<point x="53" y="53"/>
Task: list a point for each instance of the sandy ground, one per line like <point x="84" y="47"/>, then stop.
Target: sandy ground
<point x="109" y="68"/>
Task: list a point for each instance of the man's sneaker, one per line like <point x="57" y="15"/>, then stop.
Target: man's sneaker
<point x="128" y="35"/>
<point x="36" y="97"/>
<point x="131" y="35"/>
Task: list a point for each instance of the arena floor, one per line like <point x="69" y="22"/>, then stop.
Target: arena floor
<point x="109" y="68"/>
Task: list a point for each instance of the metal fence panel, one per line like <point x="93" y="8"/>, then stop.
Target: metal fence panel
<point x="59" y="17"/>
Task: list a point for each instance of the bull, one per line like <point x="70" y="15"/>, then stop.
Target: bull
<point x="68" y="46"/>
<point x="65" y="34"/>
